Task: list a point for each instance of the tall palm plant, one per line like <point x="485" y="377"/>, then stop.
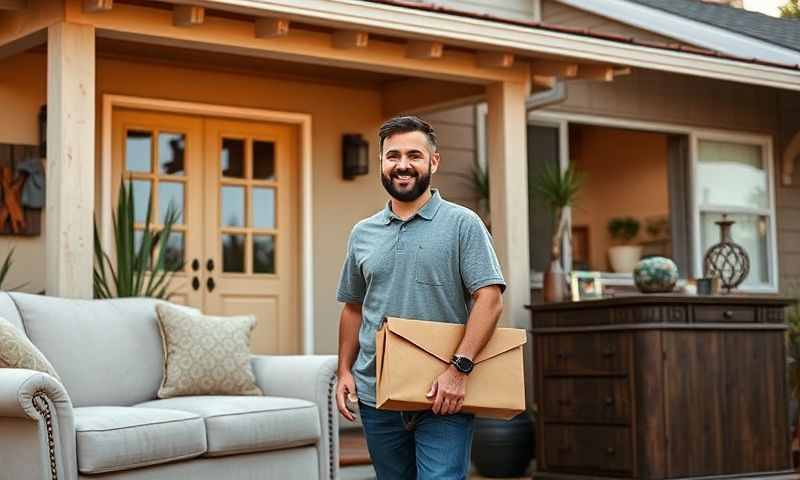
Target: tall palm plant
<point x="138" y="271"/>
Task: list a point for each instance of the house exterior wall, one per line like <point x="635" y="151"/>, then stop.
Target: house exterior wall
<point x="556" y="13"/>
<point x="337" y="204"/>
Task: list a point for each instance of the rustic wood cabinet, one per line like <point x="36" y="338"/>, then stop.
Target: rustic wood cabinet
<point x="662" y="386"/>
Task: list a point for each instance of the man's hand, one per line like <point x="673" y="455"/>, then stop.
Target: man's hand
<point x="448" y="392"/>
<point x="345" y="386"/>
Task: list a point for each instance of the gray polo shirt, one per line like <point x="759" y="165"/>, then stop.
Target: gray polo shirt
<point x="425" y="268"/>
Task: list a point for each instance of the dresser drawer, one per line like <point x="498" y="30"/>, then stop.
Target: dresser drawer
<point x="589" y="448"/>
<point x="595" y="353"/>
<point x="724" y="313"/>
<point x="587" y="399"/>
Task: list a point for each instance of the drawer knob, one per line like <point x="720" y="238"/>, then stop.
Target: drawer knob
<point x="563" y="355"/>
<point x="727" y="314"/>
<point x="611" y="451"/>
<point x="609" y="401"/>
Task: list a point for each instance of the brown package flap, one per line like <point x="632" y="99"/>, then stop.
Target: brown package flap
<point x="410" y="354"/>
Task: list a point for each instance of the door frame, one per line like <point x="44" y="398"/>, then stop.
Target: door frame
<point x="301" y="120"/>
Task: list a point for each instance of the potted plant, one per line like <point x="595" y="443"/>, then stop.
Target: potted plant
<point x="624" y="257"/>
<point x="560" y="190"/>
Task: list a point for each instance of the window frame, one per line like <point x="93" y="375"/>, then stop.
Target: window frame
<point x="695" y="134"/>
<point x="767" y="157"/>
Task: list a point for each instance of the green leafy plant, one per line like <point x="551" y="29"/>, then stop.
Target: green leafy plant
<point x="791" y="9"/>
<point x="138" y="271"/>
<point x="792" y="319"/>
<point x="623" y="229"/>
<point x="560" y="191"/>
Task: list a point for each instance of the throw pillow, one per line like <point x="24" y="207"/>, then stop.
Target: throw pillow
<point x="205" y="355"/>
<point x="17" y="351"/>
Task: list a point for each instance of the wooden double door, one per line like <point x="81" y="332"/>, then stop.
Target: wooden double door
<point x="234" y="183"/>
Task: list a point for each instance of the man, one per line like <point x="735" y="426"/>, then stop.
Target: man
<point x="424" y="258"/>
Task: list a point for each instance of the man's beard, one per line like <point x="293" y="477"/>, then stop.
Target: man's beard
<point x="421" y="184"/>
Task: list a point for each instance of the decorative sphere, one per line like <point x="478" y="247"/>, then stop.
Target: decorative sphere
<point x="655" y="275"/>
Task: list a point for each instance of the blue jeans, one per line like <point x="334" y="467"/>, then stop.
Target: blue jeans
<point x="417" y="445"/>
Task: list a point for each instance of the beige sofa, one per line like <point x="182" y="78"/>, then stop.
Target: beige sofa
<point x="105" y="422"/>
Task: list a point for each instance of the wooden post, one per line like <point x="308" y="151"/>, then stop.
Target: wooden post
<point x="70" y="159"/>
<point x="508" y="198"/>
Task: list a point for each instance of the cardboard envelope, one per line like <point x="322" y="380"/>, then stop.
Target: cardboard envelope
<point x="410" y="354"/>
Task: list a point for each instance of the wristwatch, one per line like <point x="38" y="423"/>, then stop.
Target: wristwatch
<point x="462" y="364"/>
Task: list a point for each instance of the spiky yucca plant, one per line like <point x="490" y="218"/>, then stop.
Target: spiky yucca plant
<point x="139" y="272"/>
<point x="560" y="190"/>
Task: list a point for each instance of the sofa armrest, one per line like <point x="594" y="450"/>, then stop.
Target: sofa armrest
<point x="312" y="378"/>
<point x="38" y="415"/>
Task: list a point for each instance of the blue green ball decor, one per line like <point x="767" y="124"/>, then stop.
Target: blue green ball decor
<point x="655" y="275"/>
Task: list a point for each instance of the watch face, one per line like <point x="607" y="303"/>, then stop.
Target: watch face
<point x="464" y="364"/>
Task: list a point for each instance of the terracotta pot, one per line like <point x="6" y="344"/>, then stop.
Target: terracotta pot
<point x="554" y="283"/>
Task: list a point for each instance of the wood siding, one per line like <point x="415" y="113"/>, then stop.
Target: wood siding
<point x="556" y="13"/>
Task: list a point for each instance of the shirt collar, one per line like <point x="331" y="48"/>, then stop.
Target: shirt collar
<point x="428" y="211"/>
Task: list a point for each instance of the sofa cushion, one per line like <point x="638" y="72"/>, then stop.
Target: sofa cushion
<point x="17" y="351"/>
<point x="250" y="424"/>
<point x="206" y="355"/>
<point x="111" y="439"/>
<point x="107" y="352"/>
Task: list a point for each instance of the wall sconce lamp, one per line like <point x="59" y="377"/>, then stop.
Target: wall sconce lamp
<point x="355" y="156"/>
<point x="43" y="131"/>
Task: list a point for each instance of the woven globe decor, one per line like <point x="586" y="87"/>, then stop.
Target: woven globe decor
<point x="655" y="275"/>
<point x="727" y="259"/>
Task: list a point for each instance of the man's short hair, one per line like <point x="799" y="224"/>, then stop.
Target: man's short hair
<point x="405" y="124"/>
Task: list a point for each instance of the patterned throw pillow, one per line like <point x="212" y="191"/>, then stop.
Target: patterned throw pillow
<point x="16" y="351"/>
<point x="205" y="355"/>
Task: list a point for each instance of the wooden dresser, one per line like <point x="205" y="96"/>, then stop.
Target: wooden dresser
<point x="662" y="386"/>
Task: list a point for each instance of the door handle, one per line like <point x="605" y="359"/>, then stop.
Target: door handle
<point x="210" y="284"/>
<point x="196" y="283"/>
<point x="195" y="265"/>
<point x="210" y="265"/>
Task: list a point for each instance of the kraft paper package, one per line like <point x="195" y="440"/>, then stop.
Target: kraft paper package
<point x="411" y="354"/>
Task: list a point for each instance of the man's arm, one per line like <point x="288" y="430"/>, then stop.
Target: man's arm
<point x="449" y="388"/>
<point x="349" y="325"/>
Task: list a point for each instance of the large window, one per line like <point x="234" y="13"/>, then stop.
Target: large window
<point x="734" y="177"/>
<point x="676" y="182"/>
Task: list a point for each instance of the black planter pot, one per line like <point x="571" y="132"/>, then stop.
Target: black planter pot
<point x="503" y="448"/>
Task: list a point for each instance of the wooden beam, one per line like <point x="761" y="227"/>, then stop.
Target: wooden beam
<point x="602" y="73"/>
<point x="153" y="26"/>
<point x="495" y="59"/>
<point x="188" y="15"/>
<point x="70" y="159"/>
<point x="424" y="49"/>
<point x="544" y="81"/>
<point x="346" y="39"/>
<point x="790" y="156"/>
<point x="13" y="5"/>
<point x="554" y="68"/>
<point x="621" y="72"/>
<point x="272" y="27"/>
<point x="97" y="5"/>
<point x="508" y="194"/>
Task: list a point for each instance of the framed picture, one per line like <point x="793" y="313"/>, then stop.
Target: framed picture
<point x="586" y="286"/>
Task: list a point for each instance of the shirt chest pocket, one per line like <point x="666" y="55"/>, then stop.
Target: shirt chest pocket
<point x="431" y="265"/>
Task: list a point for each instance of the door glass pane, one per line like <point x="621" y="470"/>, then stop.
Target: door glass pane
<point x="170" y="193"/>
<point x="232" y="214"/>
<point x="138" y="147"/>
<point x="232" y="158"/>
<point x="263" y="160"/>
<point x="174" y="252"/>
<point x="731" y="174"/>
<point x="233" y="253"/>
<point x="263" y="203"/>
<point x="141" y="199"/>
<point x="171" y="149"/>
<point x="749" y="231"/>
<point x="263" y="254"/>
